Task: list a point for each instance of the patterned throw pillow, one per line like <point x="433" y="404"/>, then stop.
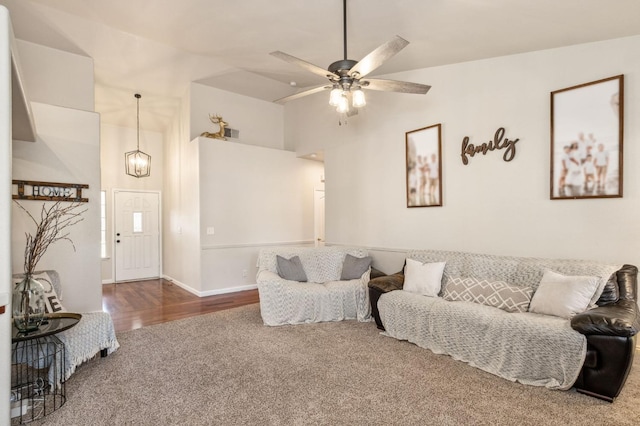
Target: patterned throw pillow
<point x="498" y="294"/>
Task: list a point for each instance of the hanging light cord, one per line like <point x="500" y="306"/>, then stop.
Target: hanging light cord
<point x="138" y="96"/>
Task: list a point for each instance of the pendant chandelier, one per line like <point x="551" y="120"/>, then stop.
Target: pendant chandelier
<point x="137" y="163"/>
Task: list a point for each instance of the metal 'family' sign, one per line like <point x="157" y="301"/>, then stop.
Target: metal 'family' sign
<point x="499" y="142"/>
<point x="49" y="191"/>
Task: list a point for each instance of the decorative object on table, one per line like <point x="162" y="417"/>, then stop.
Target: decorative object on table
<point x="424" y="167"/>
<point x="28" y="304"/>
<point x="28" y="296"/>
<point x="499" y="142"/>
<point x="52" y="302"/>
<point x="137" y="163"/>
<point x="220" y="134"/>
<point x="347" y="77"/>
<point x="586" y="140"/>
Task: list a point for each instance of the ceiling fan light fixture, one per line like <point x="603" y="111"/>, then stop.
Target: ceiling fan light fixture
<point x="343" y="104"/>
<point x="347" y="77"/>
<point x="335" y="95"/>
<point x="358" y="98"/>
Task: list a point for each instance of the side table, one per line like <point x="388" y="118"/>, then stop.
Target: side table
<point x="37" y="368"/>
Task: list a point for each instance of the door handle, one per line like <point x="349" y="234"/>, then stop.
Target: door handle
<point x="117" y="241"/>
<point x="118" y="234"/>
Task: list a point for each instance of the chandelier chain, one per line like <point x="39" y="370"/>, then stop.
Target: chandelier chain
<point x="138" y="96"/>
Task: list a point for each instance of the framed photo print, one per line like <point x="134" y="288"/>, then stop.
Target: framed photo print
<point x="586" y="140"/>
<point x="424" y="167"/>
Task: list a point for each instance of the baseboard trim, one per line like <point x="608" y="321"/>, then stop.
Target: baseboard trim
<point x="228" y="290"/>
<point x="109" y="281"/>
<point x="214" y="292"/>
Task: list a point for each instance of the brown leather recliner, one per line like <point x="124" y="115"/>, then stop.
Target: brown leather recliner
<point x="610" y="329"/>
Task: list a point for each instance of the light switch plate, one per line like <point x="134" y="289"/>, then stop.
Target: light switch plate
<point x="211" y="230"/>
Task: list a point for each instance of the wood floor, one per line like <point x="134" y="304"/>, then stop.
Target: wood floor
<point x="140" y="303"/>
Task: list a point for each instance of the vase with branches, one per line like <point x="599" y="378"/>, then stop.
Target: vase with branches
<point x="52" y="226"/>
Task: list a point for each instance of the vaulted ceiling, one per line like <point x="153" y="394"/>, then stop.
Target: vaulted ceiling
<point x="157" y="47"/>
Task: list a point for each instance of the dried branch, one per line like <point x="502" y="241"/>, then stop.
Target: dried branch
<point x="53" y="226"/>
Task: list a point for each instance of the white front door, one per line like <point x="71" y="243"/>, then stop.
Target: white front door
<point x="137" y="235"/>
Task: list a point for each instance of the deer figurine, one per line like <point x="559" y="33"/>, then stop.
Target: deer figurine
<point x="216" y="119"/>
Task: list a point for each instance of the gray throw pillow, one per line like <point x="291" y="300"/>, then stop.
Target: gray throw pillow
<point x="291" y="269"/>
<point x="353" y="267"/>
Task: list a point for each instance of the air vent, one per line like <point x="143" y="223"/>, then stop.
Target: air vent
<point x="231" y="133"/>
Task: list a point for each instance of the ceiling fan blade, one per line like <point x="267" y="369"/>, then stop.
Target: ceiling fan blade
<point x="379" y="56"/>
<point x="395" y="86"/>
<point x="301" y="94"/>
<point x="304" y="64"/>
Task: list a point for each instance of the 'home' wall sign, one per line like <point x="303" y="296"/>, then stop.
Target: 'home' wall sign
<point x="498" y="142"/>
<point x="49" y="191"/>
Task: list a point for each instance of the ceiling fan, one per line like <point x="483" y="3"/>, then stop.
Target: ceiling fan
<point x="347" y="77"/>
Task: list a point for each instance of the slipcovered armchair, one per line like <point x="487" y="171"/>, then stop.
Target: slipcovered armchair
<point x="94" y="333"/>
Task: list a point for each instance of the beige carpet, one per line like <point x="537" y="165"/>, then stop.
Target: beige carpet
<point x="227" y="368"/>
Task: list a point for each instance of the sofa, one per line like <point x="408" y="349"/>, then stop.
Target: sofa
<point x="300" y="285"/>
<point x="480" y="315"/>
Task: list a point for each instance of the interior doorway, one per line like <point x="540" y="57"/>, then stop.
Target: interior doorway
<point x="318" y="217"/>
<point x="136" y="239"/>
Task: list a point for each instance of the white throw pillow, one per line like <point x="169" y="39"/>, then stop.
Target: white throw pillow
<point x="563" y="296"/>
<point x="423" y="278"/>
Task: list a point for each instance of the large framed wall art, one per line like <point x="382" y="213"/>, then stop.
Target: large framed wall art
<point x="424" y="167"/>
<point x="586" y="140"/>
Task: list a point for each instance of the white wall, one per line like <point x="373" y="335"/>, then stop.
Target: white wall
<point x="67" y="150"/>
<point x="114" y="142"/>
<point x="490" y="206"/>
<point x="251" y="191"/>
<point x="5" y="213"/>
<point x="181" y="203"/>
<point x="60" y="87"/>
<point x="251" y="196"/>
<point x="311" y="125"/>
<point x="56" y="77"/>
<point x="259" y="122"/>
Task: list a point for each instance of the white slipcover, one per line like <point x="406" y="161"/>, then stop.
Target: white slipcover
<point x="323" y="298"/>
<point x="529" y="348"/>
